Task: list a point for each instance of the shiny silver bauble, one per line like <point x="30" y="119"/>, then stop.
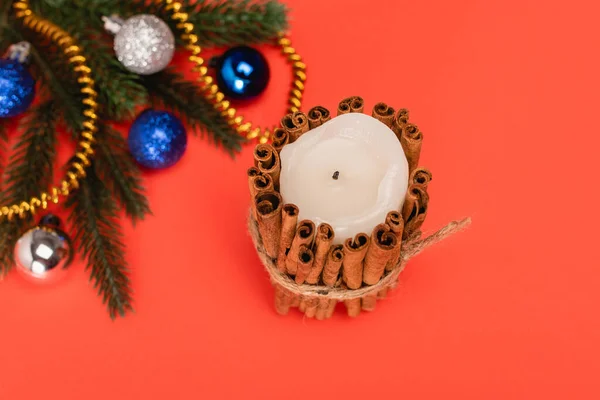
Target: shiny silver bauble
<point x="43" y="254"/>
<point x="144" y="44"/>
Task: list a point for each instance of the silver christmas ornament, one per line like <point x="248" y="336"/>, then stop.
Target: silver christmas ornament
<point x="44" y="252"/>
<point x="144" y="44"/>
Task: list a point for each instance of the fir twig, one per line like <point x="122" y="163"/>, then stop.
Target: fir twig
<point x="122" y="175"/>
<point x="29" y="170"/>
<point x="95" y="220"/>
<point x="228" y="23"/>
<point x="170" y="90"/>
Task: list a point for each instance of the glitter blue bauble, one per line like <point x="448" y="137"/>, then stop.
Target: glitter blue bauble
<point x="157" y="139"/>
<point x="17" y="88"/>
<point x="242" y="73"/>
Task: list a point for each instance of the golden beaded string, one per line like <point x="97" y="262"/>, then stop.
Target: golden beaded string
<point x="81" y="160"/>
<point x="85" y="151"/>
<point x="210" y="88"/>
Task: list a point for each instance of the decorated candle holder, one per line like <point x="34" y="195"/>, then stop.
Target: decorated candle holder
<point x="338" y="205"/>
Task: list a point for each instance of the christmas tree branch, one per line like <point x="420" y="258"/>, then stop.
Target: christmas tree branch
<point x="30" y="168"/>
<point x="95" y="220"/>
<point x="229" y="23"/>
<point x="168" y="89"/>
<point x="121" y="174"/>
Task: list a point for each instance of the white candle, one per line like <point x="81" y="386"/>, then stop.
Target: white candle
<point x="349" y="172"/>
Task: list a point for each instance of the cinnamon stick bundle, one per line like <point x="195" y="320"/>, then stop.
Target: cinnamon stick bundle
<point x="280" y="139"/>
<point x="268" y="211"/>
<point x="333" y="263"/>
<point x="295" y="124"/>
<point x="323" y="240"/>
<point x="384" y="113"/>
<point x="354" y="255"/>
<point x="380" y="254"/>
<point x="266" y="159"/>
<point x="368" y="302"/>
<point x="354" y="104"/>
<point x="411" y="140"/>
<point x="396" y="223"/>
<point x="414" y="210"/>
<point x="317" y="116"/>
<point x="304" y="236"/>
<point x="304" y="264"/>
<point x="421" y="176"/>
<point x="289" y="221"/>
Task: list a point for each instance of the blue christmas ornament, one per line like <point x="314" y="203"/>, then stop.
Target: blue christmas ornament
<point x="157" y="139"/>
<point x="17" y="88"/>
<point x="242" y="73"/>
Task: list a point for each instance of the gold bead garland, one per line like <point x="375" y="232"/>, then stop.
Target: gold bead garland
<point x="211" y="90"/>
<point x="85" y="151"/>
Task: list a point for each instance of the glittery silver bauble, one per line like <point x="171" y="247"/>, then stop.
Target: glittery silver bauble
<point x="43" y="253"/>
<point x="144" y="44"/>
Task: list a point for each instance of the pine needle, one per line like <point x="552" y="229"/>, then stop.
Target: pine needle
<point x="94" y="217"/>
<point x="116" y="167"/>
<point x="29" y="171"/>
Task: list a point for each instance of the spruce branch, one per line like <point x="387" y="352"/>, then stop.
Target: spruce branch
<point x="95" y="220"/>
<point x="9" y="234"/>
<point x="170" y="90"/>
<point x="29" y="170"/>
<point x="30" y="166"/>
<point x="121" y="174"/>
<point x="229" y="23"/>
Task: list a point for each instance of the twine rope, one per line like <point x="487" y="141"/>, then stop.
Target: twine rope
<point x="410" y="249"/>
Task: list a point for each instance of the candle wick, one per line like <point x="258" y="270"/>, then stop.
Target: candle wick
<point x="336" y="175"/>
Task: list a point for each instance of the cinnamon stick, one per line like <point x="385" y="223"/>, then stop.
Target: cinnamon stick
<point x="421" y="176"/>
<point x="382" y="294"/>
<point x="414" y="210"/>
<point x="354" y="255"/>
<point x="368" y="302"/>
<point x="380" y="254"/>
<point x="295" y="124"/>
<point x="396" y="223"/>
<point x="289" y="221"/>
<point x="411" y="140"/>
<point x="384" y="113"/>
<point x="322" y="308"/>
<point x="251" y="173"/>
<point x="323" y="240"/>
<point x="353" y="104"/>
<point x="268" y="212"/>
<point x="282" y="300"/>
<point x="305" y="262"/>
<point x="317" y="116"/>
<point x="261" y="183"/>
<point x="280" y="139"/>
<point x="333" y="263"/>
<point x="295" y="303"/>
<point x="311" y="307"/>
<point x="353" y="307"/>
<point x="401" y="118"/>
<point x="304" y="236"/>
<point x="331" y="308"/>
<point x="266" y="159"/>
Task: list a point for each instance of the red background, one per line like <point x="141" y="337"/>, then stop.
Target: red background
<point x="505" y="93"/>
